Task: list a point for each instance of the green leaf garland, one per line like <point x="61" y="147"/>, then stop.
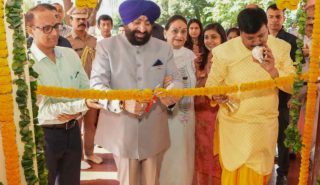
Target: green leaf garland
<point x="14" y="18"/>
<point x="39" y="135"/>
<point x="293" y="138"/>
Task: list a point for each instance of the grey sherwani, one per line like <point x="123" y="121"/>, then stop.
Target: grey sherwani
<point x="121" y="65"/>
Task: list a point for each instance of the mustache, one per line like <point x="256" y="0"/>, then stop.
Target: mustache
<point x="144" y="34"/>
<point x="256" y="45"/>
<point x="82" y="25"/>
<point x="135" y="40"/>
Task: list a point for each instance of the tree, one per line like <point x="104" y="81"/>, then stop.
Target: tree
<point x="226" y="12"/>
<point x="208" y="11"/>
<point x="188" y="8"/>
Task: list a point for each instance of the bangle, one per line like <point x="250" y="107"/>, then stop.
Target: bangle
<point x="213" y="103"/>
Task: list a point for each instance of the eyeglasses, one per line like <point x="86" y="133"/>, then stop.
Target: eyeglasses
<point x="48" y="28"/>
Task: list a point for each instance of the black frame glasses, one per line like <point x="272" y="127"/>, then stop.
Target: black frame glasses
<point x="48" y="28"/>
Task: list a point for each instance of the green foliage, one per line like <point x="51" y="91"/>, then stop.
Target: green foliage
<point x="209" y="11"/>
<point x="39" y="135"/>
<point x="188" y="8"/>
<point x="293" y="138"/>
<point x="291" y="19"/>
<point x="116" y="22"/>
<point x="14" y="18"/>
<point x="226" y="12"/>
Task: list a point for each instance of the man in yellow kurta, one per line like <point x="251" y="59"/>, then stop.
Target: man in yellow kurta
<point x="247" y="137"/>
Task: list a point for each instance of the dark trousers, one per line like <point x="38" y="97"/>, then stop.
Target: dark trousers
<point x="283" y="151"/>
<point x="63" y="155"/>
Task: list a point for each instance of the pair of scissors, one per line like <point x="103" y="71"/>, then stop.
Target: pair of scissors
<point x="152" y="101"/>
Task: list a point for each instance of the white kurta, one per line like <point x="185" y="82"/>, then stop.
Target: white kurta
<point x="178" y="162"/>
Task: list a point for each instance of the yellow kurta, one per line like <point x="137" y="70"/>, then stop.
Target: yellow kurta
<point x="248" y="136"/>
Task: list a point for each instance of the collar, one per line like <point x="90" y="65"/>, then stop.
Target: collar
<point x="39" y="55"/>
<point x="74" y="35"/>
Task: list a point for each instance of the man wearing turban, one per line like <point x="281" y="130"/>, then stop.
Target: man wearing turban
<point x="136" y="132"/>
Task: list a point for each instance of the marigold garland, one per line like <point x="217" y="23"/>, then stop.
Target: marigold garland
<point x="86" y="3"/>
<point x="148" y="93"/>
<point x="290" y="4"/>
<point x="311" y="98"/>
<point x="7" y="125"/>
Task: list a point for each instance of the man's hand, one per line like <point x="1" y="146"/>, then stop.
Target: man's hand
<point x="169" y="100"/>
<point x="167" y="81"/>
<point x="305" y="51"/>
<point x="269" y="63"/>
<point x="220" y="98"/>
<point x="68" y="117"/>
<point x="93" y="104"/>
<point x="135" y="107"/>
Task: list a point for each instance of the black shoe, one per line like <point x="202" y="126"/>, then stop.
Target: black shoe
<point x="282" y="180"/>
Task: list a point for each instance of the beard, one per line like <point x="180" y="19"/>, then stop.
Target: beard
<point x="131" y="35"/>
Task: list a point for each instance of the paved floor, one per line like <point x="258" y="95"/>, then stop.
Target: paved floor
<point x="105" y="173"/>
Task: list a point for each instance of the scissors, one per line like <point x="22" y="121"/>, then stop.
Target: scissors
<point x="152" y="101"/>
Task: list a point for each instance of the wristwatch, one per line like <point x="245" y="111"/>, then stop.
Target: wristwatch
<point x="115" y="106"/>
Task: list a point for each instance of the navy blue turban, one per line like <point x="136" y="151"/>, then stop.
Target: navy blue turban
<point x="132" y="9"/>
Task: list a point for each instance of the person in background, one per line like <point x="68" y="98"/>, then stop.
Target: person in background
<point x="310" y="8"/>
<point x="64" y="29"/>
<point x="85" y="44"/>
<point x="59" y="67"/>
<point x="82" y="42"/>
<point x="293" y="29"/>
<point x="276" y="19"/>
<point x="207" y="165"/>
<point x="178" y="161"/>
<point x="247" y="133"/>
<point x="105" y="25"/>
<point x="194" y="41"/>
<point x="157" y="31"/>
<point x="121" y="29"/>
<point x="135" y="132"/>
<point x="233" y="33"/>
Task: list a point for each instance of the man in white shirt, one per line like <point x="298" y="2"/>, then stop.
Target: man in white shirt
<point x="59" y="67"/>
